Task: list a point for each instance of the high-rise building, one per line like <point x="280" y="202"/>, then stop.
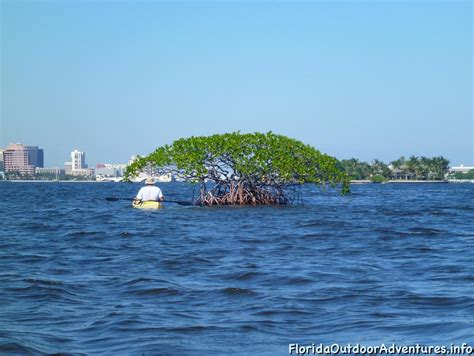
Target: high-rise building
<point x="36" y="156"/>
<point x="22" y="159"/>
<point x="77" y="166"/>
<point x="78" y="160"/>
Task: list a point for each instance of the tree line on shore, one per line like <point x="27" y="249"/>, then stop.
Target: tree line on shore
<point x="413" y="168"/>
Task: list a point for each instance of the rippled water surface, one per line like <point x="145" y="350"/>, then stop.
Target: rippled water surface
<point x="78" y="274"/>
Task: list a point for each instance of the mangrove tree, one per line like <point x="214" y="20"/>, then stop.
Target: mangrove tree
<point x="243" y="169"/>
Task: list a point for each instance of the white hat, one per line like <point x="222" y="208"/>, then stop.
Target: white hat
<point x="149" y="181"/>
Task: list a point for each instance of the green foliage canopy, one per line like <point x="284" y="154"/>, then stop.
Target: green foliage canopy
<point x="460" y="175"/>
<point x="255" y="159"/>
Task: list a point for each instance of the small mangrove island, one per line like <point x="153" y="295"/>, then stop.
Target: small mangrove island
<point x="243" y="169"/>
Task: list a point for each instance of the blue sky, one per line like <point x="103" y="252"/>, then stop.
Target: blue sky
<point x="372" y="79"/>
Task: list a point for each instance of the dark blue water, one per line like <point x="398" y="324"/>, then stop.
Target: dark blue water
<point x="78" y="274"/>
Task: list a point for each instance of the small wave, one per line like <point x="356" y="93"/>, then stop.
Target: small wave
<point x="436" y="301"/>
<point x="312" y="224"/>
<point x="16" y="348"/>
<point x="202" y="260"/>
<point x="455" y="269"/>
<point x="139" y="280"/>
<point x="245" y="276"/>
<point x="253" y="240"/>
<point x="44" y="282"/>
<point x="296" y="280"/>
<point x="79" y="234"/>
<point x="234" y="291"/>
<point x="154" y="291"/>
<point x="424" y="231"/>
<point x="32" y="258"/>
<point x="38" y="290"/>
<point x="284" y="313"/>
<point x="401" y="213"/>
<point x="195" y="328"/>
<point x="248" y="328"/>
<point x="130" y="322"/>
<point x="266" y="313"/>
<point x="426" y="301"/>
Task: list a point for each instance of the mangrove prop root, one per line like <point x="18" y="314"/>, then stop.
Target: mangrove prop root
<point x="242" y="194"/>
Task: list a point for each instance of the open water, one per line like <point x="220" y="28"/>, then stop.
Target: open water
<point x="390" y="263"/>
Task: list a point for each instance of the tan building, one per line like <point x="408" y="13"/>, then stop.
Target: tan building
<point x="18" y="159"/>
<point x="68" y="167"/>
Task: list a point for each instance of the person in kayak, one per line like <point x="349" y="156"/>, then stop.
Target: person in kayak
<point x="149" y="192"/>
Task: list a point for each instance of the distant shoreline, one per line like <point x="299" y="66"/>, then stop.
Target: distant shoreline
<point x="361" y="181"/>
<point x="51" y="181"/>
<point x="366" y="181"/>
<point x="64" y="181"/>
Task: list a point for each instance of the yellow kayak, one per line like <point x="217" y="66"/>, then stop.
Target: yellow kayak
<point x="147" y="205"/>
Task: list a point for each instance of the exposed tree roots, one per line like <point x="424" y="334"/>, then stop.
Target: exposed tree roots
<point x="241" y="193"/>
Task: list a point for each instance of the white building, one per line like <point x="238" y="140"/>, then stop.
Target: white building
<point x="158" y="178"/>
<point x="78" y="160"/>
<point x="460" y="169"/>
<point x="110" y="170"/>
<point x="55" y="170"/>
<point x="119" y="168"/>
<point x="83" y="172"/>
<point x="77" y="166"/>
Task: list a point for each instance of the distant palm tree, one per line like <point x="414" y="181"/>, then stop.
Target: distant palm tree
<point x="440" y="166"/>
<point x="380" y="168"/>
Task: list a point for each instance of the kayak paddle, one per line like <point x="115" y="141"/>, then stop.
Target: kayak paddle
<point x="185" y="203"/>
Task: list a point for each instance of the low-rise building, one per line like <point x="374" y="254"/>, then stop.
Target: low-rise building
<point x="400" y="174"/>
<point x="106" y="172"/>
<point x="460" y="169"/>
<point x="165" y="178"/>
<point x="110" y="170"/>
<point x="68" y="167"/>
<point x="52" y="171"/>
<point x="84" y="172"/>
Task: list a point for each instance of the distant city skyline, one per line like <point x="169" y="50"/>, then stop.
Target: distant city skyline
<point x="354" y="79"/>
